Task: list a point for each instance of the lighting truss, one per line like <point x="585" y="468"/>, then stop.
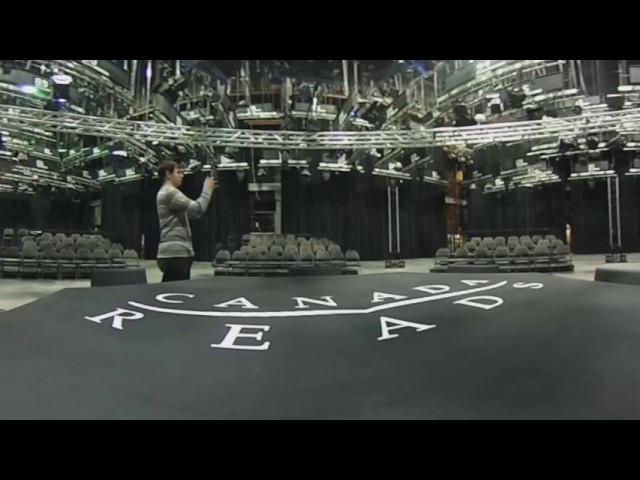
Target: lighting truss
<point x="27" y="119"/>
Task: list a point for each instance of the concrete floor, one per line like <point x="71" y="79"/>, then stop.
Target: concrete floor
<point x="14" y="293"/>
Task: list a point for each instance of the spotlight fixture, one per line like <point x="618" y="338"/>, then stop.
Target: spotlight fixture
<point x="592" y="142"/>
<point x="516" y="97"/>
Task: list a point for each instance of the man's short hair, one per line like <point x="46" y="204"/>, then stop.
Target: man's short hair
<point x="168" y="166"/>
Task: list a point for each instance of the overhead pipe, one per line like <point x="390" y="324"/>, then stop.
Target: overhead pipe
<point x="345" y="76"/>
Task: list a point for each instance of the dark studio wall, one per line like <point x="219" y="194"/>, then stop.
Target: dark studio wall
<point x="518" y="211"/>
<point x="584" y="206"/>
<point x="52" y="211"/>
<point x="352" y="210"/>
<point x="590" y="215"/>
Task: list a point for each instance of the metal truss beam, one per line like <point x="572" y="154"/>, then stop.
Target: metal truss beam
<point x="26" y="119"/>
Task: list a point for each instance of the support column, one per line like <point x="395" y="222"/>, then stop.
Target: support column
<point x="393" y="225"/>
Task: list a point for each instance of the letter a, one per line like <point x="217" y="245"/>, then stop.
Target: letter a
<point x="385" y="321"/>
<point x="240" y="302"/>
<point x="381" y="297"/>
<point x="433" y="288"/>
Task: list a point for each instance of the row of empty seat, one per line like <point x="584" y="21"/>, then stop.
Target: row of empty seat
<point x="43" y="254"/>
<point x="63" y="263"/>
<point x="510" y="255"/>
<point x="276" y="254"/>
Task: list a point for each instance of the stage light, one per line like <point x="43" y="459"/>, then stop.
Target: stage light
<point x="516" y="97"/>
<point x="592" y="142"/>
<point x="61" y="86"/>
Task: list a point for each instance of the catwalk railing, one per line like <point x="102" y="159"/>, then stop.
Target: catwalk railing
<point x="27" y="119"/>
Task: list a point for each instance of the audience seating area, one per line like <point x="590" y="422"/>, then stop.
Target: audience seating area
<point x="273" y="255"/>
<point x="512" y="254"/>
<point x="42" y="254"/>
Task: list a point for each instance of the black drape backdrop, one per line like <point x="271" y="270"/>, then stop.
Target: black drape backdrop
<point x="129" y="212"/>
<point x="352" y="210"/>
<point x="122" y="213"/>
<point x="551" y="207"/>
<point x="630" y="213"/>
<point x="589" y="217"/>
<point x="423" y="227"/>
<point x="45" y="212"/>
<point x="518" y="211"/>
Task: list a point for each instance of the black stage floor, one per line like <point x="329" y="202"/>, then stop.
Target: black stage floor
<point x="391" y="346"/>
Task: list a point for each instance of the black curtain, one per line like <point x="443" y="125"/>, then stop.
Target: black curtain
<point x="630" y="213"/>
<point x="352" y="210"/>
<point x="589" y="217"/>
<point x="227" y="215"/>
<point x="122" y="213"/>
<point x="519" y="211"/>
<point x="551" y="209"/>
<point x="423" y="226"/>
<point x="55" y="211"/>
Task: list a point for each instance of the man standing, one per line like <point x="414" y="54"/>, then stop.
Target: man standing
<point x="175" y="251"/>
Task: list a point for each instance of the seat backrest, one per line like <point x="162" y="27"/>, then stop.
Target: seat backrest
<point x="501" y="252"/>
<point x="101" y="255"/>
<point x="352" y="256"/>
<point x="290" y="256"/>
<point x="334" y="248"/>
<point x="30" y="253"/>
<point x="291" y="248"/>
<point x="30" y="245"/>
<point x="239" y="256"/>
<point x="541" y="251"/>
<point x="277" y="249"/>
<point x="461" y="253"/>
<point x="563" y="250"/>
<point x="521" y="251"/>
<point x="50" y="254"/>
<point x="223" y="256"/>
<point x="476" y="240"/>
<point x="442" y="252"/>
<point x="273" y="255"/>
<point x="500" y="242"/>
<point x="471" y="246"/>
<point x="306" y="255"/>
<point x="255" y="255"/>
<point x="335" y="255"/>
<point x="322" y="256"/>
<point x="85" y="254"/>
<point x="131" y="255"/>
<point x="481" y="252"/>
<point x="67" y="254"/>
